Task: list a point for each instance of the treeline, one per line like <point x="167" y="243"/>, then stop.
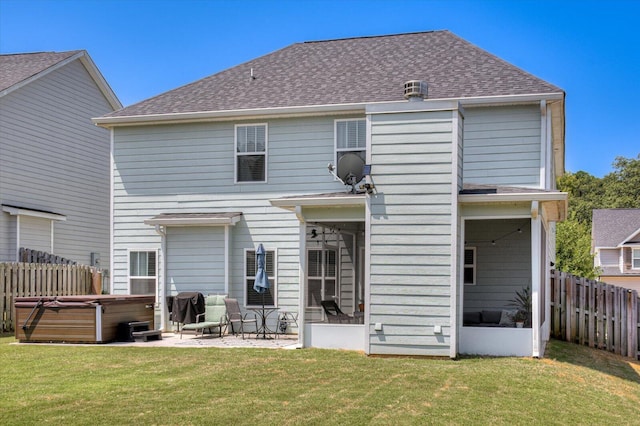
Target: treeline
<point x="618" y="189"/>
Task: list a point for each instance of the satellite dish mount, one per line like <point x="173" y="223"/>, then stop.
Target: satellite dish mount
<point x="350" y="170"/>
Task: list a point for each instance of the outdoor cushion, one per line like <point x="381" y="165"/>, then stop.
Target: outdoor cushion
<point x="471" y="318"/>
<point x="491" y="317"/>
<point x="506" y="319"/>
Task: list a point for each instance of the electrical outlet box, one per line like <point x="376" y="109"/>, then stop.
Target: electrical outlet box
<point x="378" y="326"/>
<point x="437" y="329"/>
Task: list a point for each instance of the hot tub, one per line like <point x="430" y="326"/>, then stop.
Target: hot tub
<point x="78" y="319"/>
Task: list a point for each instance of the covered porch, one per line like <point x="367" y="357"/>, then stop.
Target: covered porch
<point x="332" y="269"/>
<point x="505" y="261"/>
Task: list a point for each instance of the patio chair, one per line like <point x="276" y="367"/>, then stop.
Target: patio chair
<point x="334" y="314"/>
<point x="214" y="316"/>
<point x="235" y="317"/>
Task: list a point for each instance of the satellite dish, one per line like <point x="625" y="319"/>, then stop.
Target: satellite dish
<point x="350" y="168"/>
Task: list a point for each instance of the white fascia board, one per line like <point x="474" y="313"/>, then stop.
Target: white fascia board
<point x="292" y="203"/>
<point x="633" y="235"/>
<point x="513" y="197"/>
<point x="310" y="110"/>
<point x="17" y="211"/>
<point x="244" y="114"/>
<point x="220" y="221"/>
<point x="100" y="81"/>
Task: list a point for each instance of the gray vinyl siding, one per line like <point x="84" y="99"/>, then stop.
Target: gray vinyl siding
<point x="410" y="232"/>
<point x="8" y="248"/>
<point x="35" y="233"/>
<point x="195" y="259"/>
<point x="503" y="268"/>
<point x="502" y="145"/>
<point x="190" y="168"/>
<point x="53" y="158"/>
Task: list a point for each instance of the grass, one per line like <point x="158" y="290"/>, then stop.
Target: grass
<point x="180" y="386"/>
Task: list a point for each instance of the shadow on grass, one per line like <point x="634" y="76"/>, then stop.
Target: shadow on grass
<point x="594" y="359"/>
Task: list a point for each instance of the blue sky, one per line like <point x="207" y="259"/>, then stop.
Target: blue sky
<point x="591" y="49"/>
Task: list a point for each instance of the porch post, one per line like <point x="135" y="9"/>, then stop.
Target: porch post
<point x="536" y="260"/>
<point x="302" y="268"/>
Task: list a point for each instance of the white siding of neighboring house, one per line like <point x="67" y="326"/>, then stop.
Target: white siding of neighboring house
<point x="53" y="158"/>
<point x="502" y="145"/>
<point x="411" y="259"/>
<point x="190" y="168"/>
<point x="8" y="247"/>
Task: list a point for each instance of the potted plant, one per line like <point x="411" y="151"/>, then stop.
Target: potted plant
<point x="522" y="301"/>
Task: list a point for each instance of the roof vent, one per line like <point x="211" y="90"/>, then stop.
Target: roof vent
<point x="415" y="90"/>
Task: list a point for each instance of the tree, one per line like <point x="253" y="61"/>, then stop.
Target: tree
<point x="618" y="189"/>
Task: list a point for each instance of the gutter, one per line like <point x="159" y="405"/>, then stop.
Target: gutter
<point x="309" y="110"/>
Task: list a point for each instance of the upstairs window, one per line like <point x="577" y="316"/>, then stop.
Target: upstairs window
<point x="351" y="136"/>
<point x="251" y="153"/>
<point x="635" y="258"/>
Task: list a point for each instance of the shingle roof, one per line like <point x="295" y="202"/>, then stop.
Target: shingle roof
<point x="347" y="71"/>
<point x="612" y="226"/>
<point x="15" y="68"/>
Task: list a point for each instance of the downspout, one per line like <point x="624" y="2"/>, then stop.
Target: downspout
<point x="162" y="283"/>
<point x="302" y="261"/>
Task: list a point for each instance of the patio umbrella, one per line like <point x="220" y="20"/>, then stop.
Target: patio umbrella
<point x="261" y="284"/>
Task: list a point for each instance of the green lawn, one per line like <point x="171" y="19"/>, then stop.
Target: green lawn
<point x="178" y="386"/>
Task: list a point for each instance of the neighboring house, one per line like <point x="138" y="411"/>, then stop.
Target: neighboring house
<point x="54" y="162"/>
<point x="616" y="244"/>
<point x="459" y="216"/>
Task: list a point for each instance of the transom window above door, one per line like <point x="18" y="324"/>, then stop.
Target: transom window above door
<point x="251" y="153"/>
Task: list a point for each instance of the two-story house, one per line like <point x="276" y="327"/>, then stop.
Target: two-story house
<point x="458" y="152"/>
<point x="54" y="162"/>
<point x="616" y="246"/>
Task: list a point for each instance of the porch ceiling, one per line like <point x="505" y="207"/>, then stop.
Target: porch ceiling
<point x="554" y="204"/>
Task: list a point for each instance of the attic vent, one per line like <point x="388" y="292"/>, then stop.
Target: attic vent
<point x="415" y="90"/>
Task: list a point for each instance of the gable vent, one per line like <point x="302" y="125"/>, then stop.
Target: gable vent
<point x="415" y="90"/>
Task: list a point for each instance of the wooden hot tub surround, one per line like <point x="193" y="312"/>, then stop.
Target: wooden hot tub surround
<point x="78" y="319"/>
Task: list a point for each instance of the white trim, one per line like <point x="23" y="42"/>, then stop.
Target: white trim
<point x="17" y="238"/>
<point x="543" y="145"/>
<point x="307" y="110"/>
<point x="513" y="197"/>
<point x="290" y="203"/>
<point x="336" y="150"/>
<point x="536" y="279"/>
<point x="112" y="208"/>
<point x="265" y="153"/>
<point x="227" y="258"/>
<point x="456" y="182"/>
<point x="633" y="251"/>
<point x="20" y="211"/>
<point x="129" y="276"/>
<point x="194" y="221"/>
<point x="51" y="250"/>
<point x="89" y="66"/>
<point x="302" y="267"/>
<point x="633" y="235"/>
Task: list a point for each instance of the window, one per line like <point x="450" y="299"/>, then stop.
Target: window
<point x="635" y="258"/>
<point x="251" y="153"/>
<point x="322" y="272"/>
<point x="351" y="136"/>
<point x="143" y="272"/>
<point x="470" y="265"/>
<point x="251" y="268"/>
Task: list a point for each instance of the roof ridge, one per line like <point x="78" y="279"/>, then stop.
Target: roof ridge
<point x="372" y="36"/>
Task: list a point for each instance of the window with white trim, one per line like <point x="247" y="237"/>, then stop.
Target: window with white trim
<point x="635" y="258"/>
<point x="143" y="272"/>
<point x="351" y="136"/>
<point x="322" y="273"/>
<point x="251" y="153"/>
<point x="470" y="265"/>
<point x="254" y="299"/>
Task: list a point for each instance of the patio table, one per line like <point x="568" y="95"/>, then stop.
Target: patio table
<point x="263" y="314"/>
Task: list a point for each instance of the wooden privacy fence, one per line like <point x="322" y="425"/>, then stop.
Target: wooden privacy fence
<point x="40" y="279"/>
<point x="594" y="313"/>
